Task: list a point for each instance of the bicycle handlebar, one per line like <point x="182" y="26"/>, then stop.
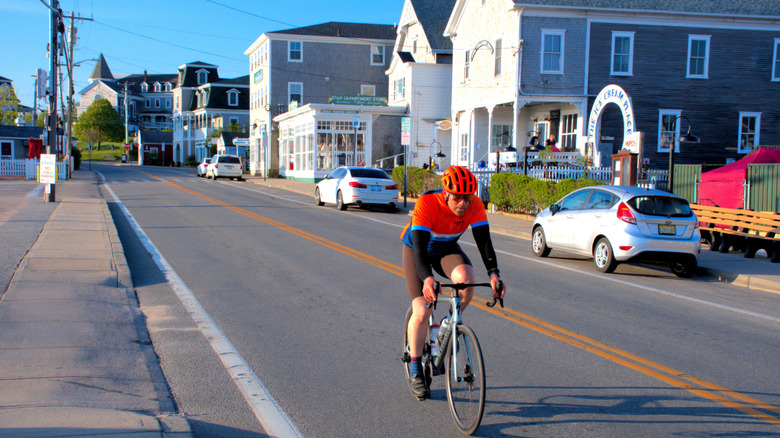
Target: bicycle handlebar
<point x="460" y="286"/>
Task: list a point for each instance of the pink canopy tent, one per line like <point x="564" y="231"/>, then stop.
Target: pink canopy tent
<point x="722" y="187"/>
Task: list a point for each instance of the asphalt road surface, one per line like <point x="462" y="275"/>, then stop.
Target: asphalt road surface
<point x="312" y="302"/>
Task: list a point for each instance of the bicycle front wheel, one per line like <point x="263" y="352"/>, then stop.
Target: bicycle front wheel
<point x="465" y="374"/>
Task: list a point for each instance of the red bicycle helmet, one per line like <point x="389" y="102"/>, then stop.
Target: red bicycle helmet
<point x="458" y="180"/>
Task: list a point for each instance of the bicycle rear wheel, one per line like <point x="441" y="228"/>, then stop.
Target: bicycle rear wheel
<point x="466" y="383"/>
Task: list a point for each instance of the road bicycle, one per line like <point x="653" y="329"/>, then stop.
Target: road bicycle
<point x="459" y="358"/>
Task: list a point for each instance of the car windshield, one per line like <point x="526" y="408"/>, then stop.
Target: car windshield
<point x="229" y="159"/>
<point x="368" y="173"/>
<point x="661" y="206"/>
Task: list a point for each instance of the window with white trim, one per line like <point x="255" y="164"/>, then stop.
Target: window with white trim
<point x="668" y="130"/>
<point x="776" y="61"/>
<point x="168" y="87"/>
<point x="157" y="87"/>
<point x="157" y="103"/>
<point x="295" y="51"/>
<point x="463" y="153"/>
<point x="295" y="92"/>
<point x="232" y="98"/>
<point x="749" y="129"/>
<point x="203" y="77"/>
<point x="497" y="61"/>
<point x="569" y="132"/>
<point x="698" y="56"/>
<point x="368" y="90"/>
<point x="168" y="103"/>
<point x="552" y="51"/>
<point x="398" y="89"/>
<point x="6" y="149"/>
<point x="148" y="103"/>
<point x="622" y="60"/>
<point x="377" y="55"/>
<point x="502" y="137"/>
<point x="144" y="87"/>
<point x="466" y="63"/>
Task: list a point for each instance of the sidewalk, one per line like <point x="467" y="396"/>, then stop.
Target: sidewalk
<point x="757" y="273"/>
<point x="75" y="357"/>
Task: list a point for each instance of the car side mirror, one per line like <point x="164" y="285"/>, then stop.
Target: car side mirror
<point x="555" y="208"/>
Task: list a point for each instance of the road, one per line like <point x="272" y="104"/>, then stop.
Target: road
<point x="311" y="300"/>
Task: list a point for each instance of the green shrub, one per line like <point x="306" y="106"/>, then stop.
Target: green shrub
<point x="519" y="193"/>
<point x="418" y="181"/>
<point x="191" y="161"/>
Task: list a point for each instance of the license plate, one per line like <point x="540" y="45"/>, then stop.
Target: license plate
<point x="376" y="188"/>
<point x="667" y="230"/>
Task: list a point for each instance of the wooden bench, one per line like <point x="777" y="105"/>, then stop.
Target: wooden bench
<point x="743" y="230"/>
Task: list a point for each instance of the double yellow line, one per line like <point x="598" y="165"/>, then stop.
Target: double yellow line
<point x="710" y="391"/>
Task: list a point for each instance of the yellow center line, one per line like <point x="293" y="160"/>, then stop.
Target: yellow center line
<point x="658" y="371"/>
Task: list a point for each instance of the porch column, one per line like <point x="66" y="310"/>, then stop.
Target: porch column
<point x="490" y="130"/>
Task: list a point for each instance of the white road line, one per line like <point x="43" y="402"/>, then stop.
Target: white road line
<point x="35" y="192"/>
<point x="266" y="409"/>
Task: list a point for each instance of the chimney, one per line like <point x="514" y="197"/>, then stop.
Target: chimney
<point x="144" y="75"/>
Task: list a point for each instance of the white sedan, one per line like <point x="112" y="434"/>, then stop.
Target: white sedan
<point x="225" y="166"/>
<point x="203" y="166"/>
<point x="357" y="186"/>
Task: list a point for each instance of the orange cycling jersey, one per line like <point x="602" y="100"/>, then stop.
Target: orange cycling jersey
<point x="432" y="214"/>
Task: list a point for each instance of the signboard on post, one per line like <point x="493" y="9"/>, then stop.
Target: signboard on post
<point x="406" y="131"/>
<point x="48" y="169"/>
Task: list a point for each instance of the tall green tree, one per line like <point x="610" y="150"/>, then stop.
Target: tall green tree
<point x="8" y="105"/>
<point x="99" y="123"/>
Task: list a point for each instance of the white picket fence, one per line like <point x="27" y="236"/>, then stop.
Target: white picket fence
<point x="28" y="167"/>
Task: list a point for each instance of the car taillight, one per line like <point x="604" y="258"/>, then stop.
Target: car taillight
<point x="216" y="166"/>
<point x="625" y="215"/>
<point x="392" y="187"/>
<point x="357" y="185"/>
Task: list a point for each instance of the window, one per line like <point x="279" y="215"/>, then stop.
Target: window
<point x="398" y="89"/>
<point x="157" y="103"/>
<point x="377" y="55"/>
<point x="466" y="63"/>
<point x="144" y="87"/>
<point x="698" y="56"/>
<point x="157" y="87"/>
<point x="749" y="128"/>
<point x="575" y="201"/>
<point x="497" y="65"/>
<point x="601" y="200"/>
<point x="463" y="153"/>
<point x="5" y="149"/>
<point x="295" y="92"/>
<point x="569" y="132"/>
<point x="622" y="53"/>
<point x="295" y="51"/>
<point x="552" y="51"/>
<point x="168" y="103"/>
<point x="233" y="98"/>
<point x="776" y="62"/>
<point x="233" y="121"/>
<point x="177" y="101"/>
<point x="502" y="137"/>
<point x="668" y="130"/>
<point x="203" y="77"/>
<point x="147" y="103"/>
<point x="168" y="87"/>
<point x="414" y="46"/>
<point x="368" y="90"/>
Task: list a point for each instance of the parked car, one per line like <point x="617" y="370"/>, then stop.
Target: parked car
<point x="202" y="166"/>
<point x="225" y="166"/>
<point x="357" y="186"/>
<point x="616" y="224"/>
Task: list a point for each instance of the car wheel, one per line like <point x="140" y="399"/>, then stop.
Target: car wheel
<point x="340" y="201"/>
<point x="683" y="269"/>
<point x="603" y="256"/>
<point x="390" y="208"/>
<point x="317" y="198"/>
<point x="539" y="243"/>
<point x="240" y="178"/>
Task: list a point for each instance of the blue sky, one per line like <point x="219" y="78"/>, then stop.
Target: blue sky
<point x="159" y="36"/>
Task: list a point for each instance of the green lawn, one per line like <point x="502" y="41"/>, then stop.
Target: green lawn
<point x="104" y="154"/>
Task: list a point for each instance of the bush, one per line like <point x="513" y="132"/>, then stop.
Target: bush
<point x="518" y="193"/>
<point x="418" y="181"/>
<point x="76" y="154"/>
<point x="191" y="161"/>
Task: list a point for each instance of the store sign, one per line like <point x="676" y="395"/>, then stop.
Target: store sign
<point x="258" y="76"/>
<point x="358" y="100"/>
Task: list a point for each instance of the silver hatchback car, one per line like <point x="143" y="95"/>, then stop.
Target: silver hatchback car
<point x="615" y="224"/>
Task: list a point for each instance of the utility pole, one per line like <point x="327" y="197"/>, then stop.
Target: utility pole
<point x="72" y="52"/>
<point x="51" y="147"/>
<point x="126" y="114"/>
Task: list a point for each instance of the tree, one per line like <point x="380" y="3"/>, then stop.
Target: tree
<point x="8" y="105"/>
<point x="99" y="123"/>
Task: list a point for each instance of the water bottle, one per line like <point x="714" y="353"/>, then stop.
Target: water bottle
<point x="434" y="335"/>
<point x="444" y="333"/>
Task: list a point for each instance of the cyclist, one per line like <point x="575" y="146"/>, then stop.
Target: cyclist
<point x="430" y="240"/>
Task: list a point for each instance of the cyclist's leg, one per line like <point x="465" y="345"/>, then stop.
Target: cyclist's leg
<point x="457" y="267"/>
<point x="418" y="324"/>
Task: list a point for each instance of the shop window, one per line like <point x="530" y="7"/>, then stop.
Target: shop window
<point x="749" y="128"/>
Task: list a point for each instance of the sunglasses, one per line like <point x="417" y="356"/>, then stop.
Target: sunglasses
<point x="458" y="198"/>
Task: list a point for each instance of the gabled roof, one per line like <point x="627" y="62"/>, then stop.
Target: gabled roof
<point x="156" y="137"/>
<point x="433" y="16"/>
<point x="101" y="70"/>
<point x="228" y="137"/>
<point x="719" y="7"/>
<point x="343" y="30"/>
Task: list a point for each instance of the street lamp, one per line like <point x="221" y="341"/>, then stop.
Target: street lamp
<point x="687" y="138"/>
<point x="435" y="145"/>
